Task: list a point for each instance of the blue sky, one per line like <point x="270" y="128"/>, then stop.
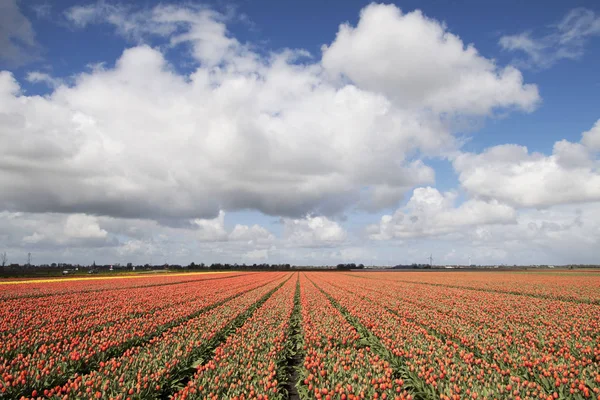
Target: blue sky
<point x="266" y="131"/>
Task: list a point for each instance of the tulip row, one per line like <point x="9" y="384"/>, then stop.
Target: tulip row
<point x="246" y="366"/>
<point x="19" y="312"/>
<point x="336" y="365"/>
<point x="435" y="368"/>
<point x="27" y="325"/>
<point x="505" y="330"/>
<point x="573" y="325"/>
<point x="577" y="286"/>
<point x="151" y="370"/>
<point x="51" y="364"/>
<point x="357" y="335"/>
<point x="33" y="288"/>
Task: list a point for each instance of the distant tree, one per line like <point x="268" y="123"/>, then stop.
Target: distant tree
<point x="3" y="259"/>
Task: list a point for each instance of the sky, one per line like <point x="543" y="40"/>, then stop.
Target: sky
<point x="309" y="133"/>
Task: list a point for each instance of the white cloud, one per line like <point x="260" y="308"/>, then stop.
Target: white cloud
<point x="42" y="77"/>
<point x="17" y="37"/>
<point x="241" y="131"/>
<point x="431" y="213"/>
<point x="211" y="229"/>
<point x="417" y="63"/>
<point x="42" y="10"/>
<point x="509" y="173"/>
<point x="83" y="238"/>
<point x="591" y="138"/>
<point x="193" y="24"/>
<point x="250" y="233"/>
<point x="252" y="133"/>
<point x="313" y="232"/>
<point x="257" y="255"/>
<point x="53" y="230"/>
<point x="81" y="16"/>
<point x="83" y="226"/>
<point x="558" y="234"/>
<point x="137" y="160"/>
<point x="566" y="40"/>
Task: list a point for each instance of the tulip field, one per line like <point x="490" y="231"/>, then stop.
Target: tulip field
<point x="303" y="335"/>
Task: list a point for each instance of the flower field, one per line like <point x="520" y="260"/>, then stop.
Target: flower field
<point x="306" y="335"/>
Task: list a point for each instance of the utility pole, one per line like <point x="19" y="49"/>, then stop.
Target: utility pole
<point x="431" y="260"/>
<point x="3" y="259"/>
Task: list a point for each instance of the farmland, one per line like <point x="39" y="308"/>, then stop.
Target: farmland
<point x="307" y="335"/>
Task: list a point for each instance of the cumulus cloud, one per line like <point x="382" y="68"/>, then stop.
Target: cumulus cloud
<point x="53" y="230"/>
<point x="416" y="62"/>
<point x="559" y="234"/>
<point x="82" y="238"/>
<point x="313" y="232"/>
<point x="136" y="159"/>
<point x="17" y="37"/>
<point x="554" y="235"/>
<point x="591" y="138"/>
<point x="509" y="173"/>
<point x="566" y="39"/>
<point x="254" y="233"/>
<point x="211" y="229"/>
<point x="431" y="213"/>
<point x="241" y="131"/>
<point x="257" y="255"/>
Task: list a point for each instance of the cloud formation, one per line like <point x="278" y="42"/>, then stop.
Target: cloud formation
<point x="53" y="231"/>
<point x="416" y="63"/>
<point x="143" y="158"/>
<point x="313" y="232"/>
<point x="510" y="174"/>
<point x="241" y="131"/>
<point x="431" y="213"/>
<point x="591" y="138"/>
<point x="566" y="40"/>
<point x="18" y="45"/>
